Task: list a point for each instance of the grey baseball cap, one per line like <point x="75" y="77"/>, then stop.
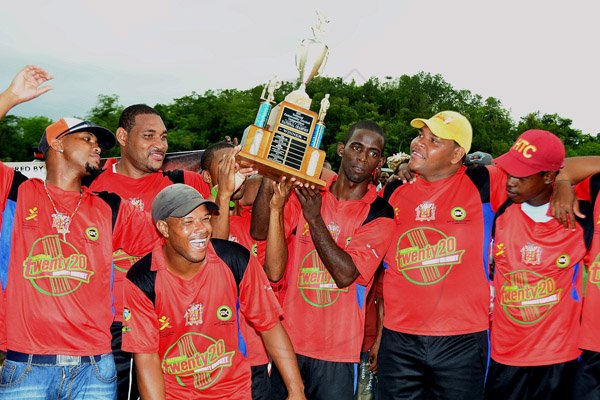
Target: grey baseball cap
<point x="178" y="200"/>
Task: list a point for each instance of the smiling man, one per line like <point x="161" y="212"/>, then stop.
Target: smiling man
<point x="189" y="346"/>
<point x="136" y="177"/>
<point x="339" y="242"/>
<point x="56" y="243"/>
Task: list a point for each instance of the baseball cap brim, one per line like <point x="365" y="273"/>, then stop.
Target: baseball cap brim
<point x="191" y="205"/>
<point x="437" y="128"/>
<point x="514" y="166"/>
<point x="106" y="139"/>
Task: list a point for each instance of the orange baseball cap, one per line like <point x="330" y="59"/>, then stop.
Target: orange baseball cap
<point x="66" y="126"/>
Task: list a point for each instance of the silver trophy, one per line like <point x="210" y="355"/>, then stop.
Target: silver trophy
<point x="310" y="60"/>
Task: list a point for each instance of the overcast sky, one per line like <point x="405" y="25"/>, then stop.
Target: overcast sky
<point x="532" y="55"/>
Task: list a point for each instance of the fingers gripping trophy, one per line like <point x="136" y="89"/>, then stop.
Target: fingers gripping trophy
<point x="284" y="139"/>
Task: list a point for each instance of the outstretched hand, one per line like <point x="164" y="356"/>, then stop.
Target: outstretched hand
<point x="281" y="191"/>
<point x="27" y="84"/>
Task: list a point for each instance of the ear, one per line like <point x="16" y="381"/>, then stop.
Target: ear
<point x="549" y="177"/>
<point x="340" y="149"/>
<point x="206" y="177"/>
<point x="56" y="145"/>
<point x="381" y="162"/>
<point x="457" y="155"/>
<point x="163" y="228"/>
<point x="121" y="136"/>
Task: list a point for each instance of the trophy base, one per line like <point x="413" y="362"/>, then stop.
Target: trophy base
<point x="275" y="170"/>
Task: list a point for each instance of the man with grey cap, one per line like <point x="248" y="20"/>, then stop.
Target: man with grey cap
<point x="60" y="237"/>
<point x="189" y="345"/>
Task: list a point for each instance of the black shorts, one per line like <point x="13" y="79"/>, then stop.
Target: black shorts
<point x="126" y="379"/>
<point x="544" y="382"/>
<point x="261" y="383"/>
<point x="323" y="380"/>
<point x="587" y="380"/>
<point x="432" y="367"/>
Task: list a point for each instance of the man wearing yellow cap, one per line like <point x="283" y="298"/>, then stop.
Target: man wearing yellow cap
<point x="436" y="285"/>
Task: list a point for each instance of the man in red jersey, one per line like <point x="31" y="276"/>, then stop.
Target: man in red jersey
<point x="338" y="244"/>
<point x="58" y="303"/>
<point x="587" y="380"/>
<point x="187" y="346"/>
<point x="136" y="177"/>
<point x="436" y="285"/>
<point x="537" y="279"/>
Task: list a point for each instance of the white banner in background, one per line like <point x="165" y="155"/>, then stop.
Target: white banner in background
<point x="31" y="169"/>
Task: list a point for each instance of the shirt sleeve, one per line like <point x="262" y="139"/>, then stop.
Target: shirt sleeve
<point x="134" y="231"/>
<point x="6" y="174"/>
<point x="195" y="180"/>
<point x="368" y="247"/>
<point x="497" y="186"/>
<point x="140" y="324"/>
<point x="257" y="300"/>
<point x="291" y="215"/>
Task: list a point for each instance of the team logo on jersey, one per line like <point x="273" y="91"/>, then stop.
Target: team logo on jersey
<point x="458" y="213"/>
<point x="125" y="329"/>
<point x="306" y="229"/>
<point x="197" y="360"/>
<point x="316" y="285"/>
<point x="594" y="272"/>
<point x="92" y="233"/>
<point x="193" y="315"/>
<point x="334" y="230"/>
<point x="563" y="261"/>
<point x="137" y="203"/>
<point x="527" y="296"/>
<point x="500" y="249"/>
<point x="55" y="267"/>
<point x="224" y="313"/>
<point x="425" y="211"/>
<point x="164" y="323"/>
<point x="33" y="213"/>
<point x="254" y="250"/>
<point x="233" y="238"/>
<point x="425" y="256"/>
<point x="531" y="254"/>
<point x="126" y="314"/>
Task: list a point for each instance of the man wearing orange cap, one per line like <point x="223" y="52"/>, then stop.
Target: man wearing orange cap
<point x="60" y="237"/>
<point x="537" y="279"/>
<point x="436" y="285"/>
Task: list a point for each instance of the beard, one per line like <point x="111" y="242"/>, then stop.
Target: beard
<point x="90" y="169"/>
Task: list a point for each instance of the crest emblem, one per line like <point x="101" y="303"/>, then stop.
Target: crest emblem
<point x="137" y="203"/>
<point x="193" y="315"/>
<point x="531" y="254"/>
<point x="334" y="230"/>
<point x="425" y="211"/>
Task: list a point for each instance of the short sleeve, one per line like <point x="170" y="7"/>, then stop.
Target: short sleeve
<point x="195" y="180"/>
<point x="497" y="186"/>
<point x="140" y="324"/>
<point x="257" y="300"/>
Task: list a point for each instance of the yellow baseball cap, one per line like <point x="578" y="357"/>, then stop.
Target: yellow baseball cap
<point x="448" y="125"/>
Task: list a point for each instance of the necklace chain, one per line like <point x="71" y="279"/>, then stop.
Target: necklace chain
<point x="62" y="221"/>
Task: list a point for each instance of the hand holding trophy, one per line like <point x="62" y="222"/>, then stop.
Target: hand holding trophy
<point x="284" y="140"/>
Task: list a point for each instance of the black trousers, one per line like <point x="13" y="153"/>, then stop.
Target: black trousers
<point x="432" y="367"/>
<point x="126" y="379"/>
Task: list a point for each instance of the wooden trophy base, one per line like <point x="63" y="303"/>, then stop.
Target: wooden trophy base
<point x="275" y="170"/>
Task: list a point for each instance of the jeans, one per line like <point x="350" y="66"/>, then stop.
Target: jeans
<point x="69" y="378"/>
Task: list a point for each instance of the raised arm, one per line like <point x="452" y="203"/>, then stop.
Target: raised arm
<point x="339" y="263"/>
<point x="26" y="85"/>
<point x="276" y="254"/>
<point x="226" y="180"/>
<point x="259" y="225"/>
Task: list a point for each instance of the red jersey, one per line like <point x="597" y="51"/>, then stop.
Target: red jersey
<point x="239" y="232"/>
<point x="590" y="320"/>
<point x="140" y="192"/>
<point x="196" y="333"/>
<point x="322" y="320"/>
<point x="537" y="290"/>
<point x="58" y="291"/>
<point x="436" y="281"/>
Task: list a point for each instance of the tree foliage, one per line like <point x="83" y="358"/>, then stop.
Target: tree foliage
<point x="197" y="120"/>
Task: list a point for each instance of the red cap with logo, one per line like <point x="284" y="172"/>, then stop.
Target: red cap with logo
<point x="534" y="151"/>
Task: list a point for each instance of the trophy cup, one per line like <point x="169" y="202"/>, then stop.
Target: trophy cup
<point x="284" y="140"/>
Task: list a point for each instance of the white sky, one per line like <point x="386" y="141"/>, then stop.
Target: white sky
<point x="531" y="54"/>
